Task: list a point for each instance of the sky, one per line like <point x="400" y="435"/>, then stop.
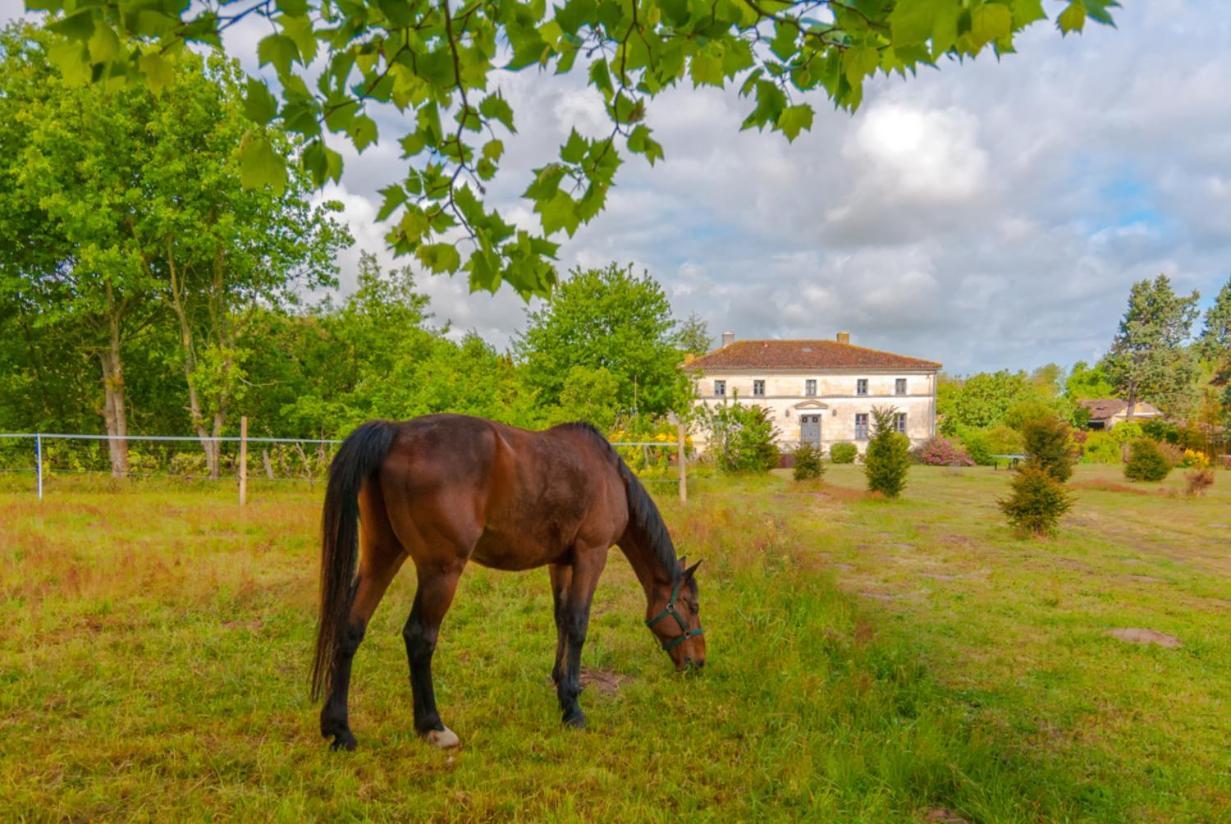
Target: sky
<point x="989" y="215"/>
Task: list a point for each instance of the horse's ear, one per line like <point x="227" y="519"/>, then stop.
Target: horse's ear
<point x="683" y="559"/>
<point x="688" y="573"/>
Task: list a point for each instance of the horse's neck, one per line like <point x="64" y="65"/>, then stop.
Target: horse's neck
<point x="646" y="566"/>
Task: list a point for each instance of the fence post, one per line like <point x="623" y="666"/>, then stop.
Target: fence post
<point x="38" y="458"/>
<point x="243" y="460"/>
<point x="680" y="457"/>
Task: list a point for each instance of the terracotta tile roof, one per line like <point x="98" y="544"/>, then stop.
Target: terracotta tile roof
<point x="1102" y="409"/>
<point x="803" y="354"/>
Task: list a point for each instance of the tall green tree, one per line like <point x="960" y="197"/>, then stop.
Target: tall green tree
<point x="1086" y="382"/>
<point x="143" y="195"/>
<point x="440" y="65"/>
<point x="693" y="337"/>
<point x="1215" y="348"/>
<point x="607" y="319"/>
<point x="1148" y="360"/>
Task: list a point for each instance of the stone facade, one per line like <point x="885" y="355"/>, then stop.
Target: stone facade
<point x="822" y="393"/>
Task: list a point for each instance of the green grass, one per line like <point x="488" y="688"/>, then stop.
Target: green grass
<point x="868" y="661"/>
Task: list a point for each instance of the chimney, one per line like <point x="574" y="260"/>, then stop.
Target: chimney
<point x="844" y="337"/>
<point x="728" y="338"/>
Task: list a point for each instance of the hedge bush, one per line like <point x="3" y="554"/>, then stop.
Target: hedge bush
<point x="1146" y="462"/>
<point x="1048" y="444"/>
<point x="843" y="452"/>
<point x="1036" y="501"/>
<point x="742" y="438"/>
<point x="808" y="462"/>
<point x="1101" y="448"/>
<point x="888" y="457"/>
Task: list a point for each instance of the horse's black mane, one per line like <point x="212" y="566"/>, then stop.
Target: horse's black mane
<point x="642" y="511"/>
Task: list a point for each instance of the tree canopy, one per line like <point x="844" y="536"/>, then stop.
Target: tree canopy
<point x="439" y="64"/>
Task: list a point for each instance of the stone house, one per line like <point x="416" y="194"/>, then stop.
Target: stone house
<point x="819" y="391"/>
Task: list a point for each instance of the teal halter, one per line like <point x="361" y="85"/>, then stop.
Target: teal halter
<point x="670" y="609"/>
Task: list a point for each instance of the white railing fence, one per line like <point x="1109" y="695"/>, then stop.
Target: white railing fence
<point x="51" y="455"/>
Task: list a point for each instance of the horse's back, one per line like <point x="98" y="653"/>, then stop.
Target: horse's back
<point x="508" y="497"/>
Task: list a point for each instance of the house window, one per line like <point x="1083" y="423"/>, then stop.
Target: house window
<point x="758" y="389"/>
<point x="861" y="426"/>
<point x="899" y="386"/>
<point x="899" y="422"/>
<point x="810" y="387"/>
<point x="720" y="388"/>
<point x="861" y="388"/>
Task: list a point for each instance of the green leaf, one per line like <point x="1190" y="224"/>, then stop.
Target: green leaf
<point x="574" y="149"/>
<point x="295" y="8"/>
<point x="104" y="45"/>
<point x="1072" y="18"/>
<point x="398" y="12"/>
<point x="1026" y="12"/>
<point x="600" y="78"/>
<point x="322" y="163"/>
<point x="299" y="29"/>
<point x="705" y="69"/>
<point x="70" y="57"/>
<point x="260" y="165"/>
<point x="493" y="150"/>
<point x="989" y="22"/>
<point x="78" y="26"/>
<point x="911" y="22"/>
<point x="362" y="132"/>
<point x="394" y="196"/>
<point x="859" y="62"/>
<point x="439" y="257"/>
<point x="495" y="107"/>
<point x="641" y="142"/>
<point x="795" y="119"/>
<point x="259" y="104"/>
<point x="157" y="69"/>
<point x="279" y="50"/>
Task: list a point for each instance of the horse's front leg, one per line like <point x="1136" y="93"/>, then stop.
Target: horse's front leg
<point x="561" y="579"/>
<point x="432" y="600"/>
<point x="588" y="565"/>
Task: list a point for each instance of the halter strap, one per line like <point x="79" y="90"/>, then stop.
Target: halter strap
<point x="669" y="609"/>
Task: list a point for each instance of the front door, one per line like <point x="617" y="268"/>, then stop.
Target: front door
<point x="810" y="429"/>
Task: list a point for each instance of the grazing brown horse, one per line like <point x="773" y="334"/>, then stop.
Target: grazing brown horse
<point x="443" y="490"/>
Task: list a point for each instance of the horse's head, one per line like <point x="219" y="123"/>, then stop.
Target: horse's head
<point x="674" y="616"/>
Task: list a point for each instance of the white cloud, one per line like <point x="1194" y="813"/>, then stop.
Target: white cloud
<point x="989" y="214"/>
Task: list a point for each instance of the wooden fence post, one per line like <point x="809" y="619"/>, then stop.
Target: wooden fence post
<point x="681" y="459"/>
<point x="38" y="455"/>
<point x="243" y="460"/>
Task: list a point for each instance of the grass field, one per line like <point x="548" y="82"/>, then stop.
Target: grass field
<point x="868" y="661"/>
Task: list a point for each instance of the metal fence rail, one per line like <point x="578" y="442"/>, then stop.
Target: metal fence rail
<point x="42" y="469"/>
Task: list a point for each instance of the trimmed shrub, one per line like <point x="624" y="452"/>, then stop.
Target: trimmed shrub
<point x="843" y="452"/>
<point x="940" y="451"/>
<point x="1048" y="445"/>
<point x="1101" y="448"/>
<point x="1036" y="501"/>
<point x="888" y="457"/>
<point x="1199" y="480"/>
<point x="1146" y="462"/>
<point x="808" y="462"/>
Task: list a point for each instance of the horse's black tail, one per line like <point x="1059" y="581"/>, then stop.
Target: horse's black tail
<point x="360" y="455"/>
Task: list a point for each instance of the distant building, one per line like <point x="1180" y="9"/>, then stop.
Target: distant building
<point x="819" y="391"/>
<point x="1107" y="412"/>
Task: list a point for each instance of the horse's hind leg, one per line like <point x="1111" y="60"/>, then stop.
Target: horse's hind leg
<point x="437" y="583"/>
<point x="380" y="557"/>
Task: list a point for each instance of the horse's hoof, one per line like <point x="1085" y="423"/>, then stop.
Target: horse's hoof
<point x="575" y="722"/>
<point x="343" y="741"/>
<point x="445" y="739"/>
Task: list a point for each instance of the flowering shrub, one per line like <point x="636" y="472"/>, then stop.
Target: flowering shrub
<point x="940" y="451"/>
<point x="1194" y="459"/>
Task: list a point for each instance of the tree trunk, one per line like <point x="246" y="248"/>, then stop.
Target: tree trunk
<point x="115" y="412"/>
<point x="208" y="445"/>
